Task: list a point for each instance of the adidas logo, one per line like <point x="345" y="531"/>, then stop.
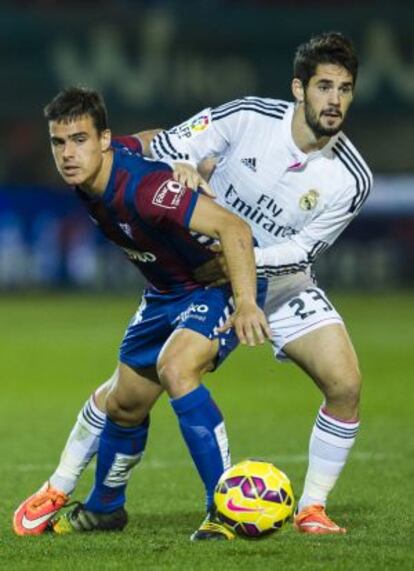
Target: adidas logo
<point x="250" y="163"/>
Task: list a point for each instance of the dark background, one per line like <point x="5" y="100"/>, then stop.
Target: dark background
<point x="157" y="63"/>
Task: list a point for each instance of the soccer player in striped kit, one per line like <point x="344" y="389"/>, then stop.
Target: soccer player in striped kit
<point x="181" y="330"/>
<point x="289" y="170"/>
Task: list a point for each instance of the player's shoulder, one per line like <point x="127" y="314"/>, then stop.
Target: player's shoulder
<point x="129" y="157"/>
<point x="350" y="159"/>
<point x="140" y="174"/>
<point x="353" y="169"/>
<point x="127" y="143"/>
<point x="252" y="106"/>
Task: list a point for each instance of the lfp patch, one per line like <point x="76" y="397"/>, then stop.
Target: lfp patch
<point x="193" y="126"/>
<point x="200" y="123"/>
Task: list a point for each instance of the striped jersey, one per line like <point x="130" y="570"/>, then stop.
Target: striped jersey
<point x="296" y="203"/>
<point x="145" y="212"/>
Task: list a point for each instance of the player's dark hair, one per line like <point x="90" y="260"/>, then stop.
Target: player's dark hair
<point x="74" y="102"/>
<point x="330" y="47"/>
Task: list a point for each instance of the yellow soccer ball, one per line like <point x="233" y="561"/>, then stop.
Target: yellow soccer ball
<point x="254" y="498"/>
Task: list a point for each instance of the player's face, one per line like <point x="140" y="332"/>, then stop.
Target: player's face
<point x="327" y="99"/>
<point x="78" y="150"/>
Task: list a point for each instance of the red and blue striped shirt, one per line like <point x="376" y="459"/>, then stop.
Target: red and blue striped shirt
<point x="147" y="213"/>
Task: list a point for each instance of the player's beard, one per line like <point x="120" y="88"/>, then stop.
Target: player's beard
<point x="314" y="124"/>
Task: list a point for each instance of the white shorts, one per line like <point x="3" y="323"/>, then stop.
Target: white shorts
<point x="304" y="312"/>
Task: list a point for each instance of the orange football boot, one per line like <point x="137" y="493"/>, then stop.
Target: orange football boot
<point x="33" y="515"/>
<point x="313" y="519"/>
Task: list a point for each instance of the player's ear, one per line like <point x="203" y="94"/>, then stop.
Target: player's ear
<point x="297" y="90"/>
<point x="106" y="137"/>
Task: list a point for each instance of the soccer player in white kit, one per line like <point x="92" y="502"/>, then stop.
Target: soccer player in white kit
<point x="289" y="170"/>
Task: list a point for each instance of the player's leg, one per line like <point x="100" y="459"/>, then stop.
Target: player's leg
<point x="181" y="365"/>
<point x="81" y="446"/>
<point x="328" y="356"/>
<point x="191" y="401"/>
<point x="83" y="441"/>
<point x="132" y="395"/>
<point x="123" y="439"/>
<point x="141" y="344"/>
<point x="186" y="356"/>
<point x="34" y="513"/>
<point x="308" y="330"/>
<point x="121" y="446"/>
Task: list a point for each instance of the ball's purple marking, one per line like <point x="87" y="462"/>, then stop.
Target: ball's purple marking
<point x="259" y="485"/>
<point x="248" y="490"/>
<point x="250" y="529"/>
<point x="272" y="496"/>
<point x="235" y="481"/>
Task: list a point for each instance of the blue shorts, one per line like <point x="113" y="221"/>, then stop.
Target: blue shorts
<point x="202" y="310"/>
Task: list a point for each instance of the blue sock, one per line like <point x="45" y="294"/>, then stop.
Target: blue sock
<point x="120" y="449"/>
<point x="202" y="426"/>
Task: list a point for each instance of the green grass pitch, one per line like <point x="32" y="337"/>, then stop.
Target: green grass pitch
<point x="55" y="350"/>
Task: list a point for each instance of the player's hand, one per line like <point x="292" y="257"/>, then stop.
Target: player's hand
<point x="188" y="176"/>
<point x="215" y="272"/>
<point x="249" y="323"/>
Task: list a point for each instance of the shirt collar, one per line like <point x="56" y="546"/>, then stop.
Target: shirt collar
<point x="297" y="157"/>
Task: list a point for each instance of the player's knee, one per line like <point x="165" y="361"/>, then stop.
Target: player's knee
<point x="125" y="413"/>
<point x="345" y="387"/>
<point x="175" y="378"/>
<point x="170" y="373"/>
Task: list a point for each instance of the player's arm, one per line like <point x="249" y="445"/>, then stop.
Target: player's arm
<point x="207" y="167"/>
<point x="207" y="134"/>
<point x="185" y="172"/>
<point x="297" y="252"/>
<point x="145" y="138"/>
<point x="236" y="242"/>
<point x="204" y="136"/>
<point x="313" y="239"/>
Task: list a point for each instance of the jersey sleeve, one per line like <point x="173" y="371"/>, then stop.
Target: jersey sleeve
<point x="302" y="248"/>
<point x="161" y="201"/>
<point x="128" y="142"/>
<point x="207" y="134"/>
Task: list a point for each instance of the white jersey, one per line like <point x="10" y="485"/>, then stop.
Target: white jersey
<point x="296" y="203"/>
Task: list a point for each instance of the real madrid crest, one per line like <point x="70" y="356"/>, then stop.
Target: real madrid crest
<point x="309" y="200"/>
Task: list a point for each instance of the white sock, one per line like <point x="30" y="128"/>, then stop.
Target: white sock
<point x="330" y="443"/>
<point x="80" y="448"/>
